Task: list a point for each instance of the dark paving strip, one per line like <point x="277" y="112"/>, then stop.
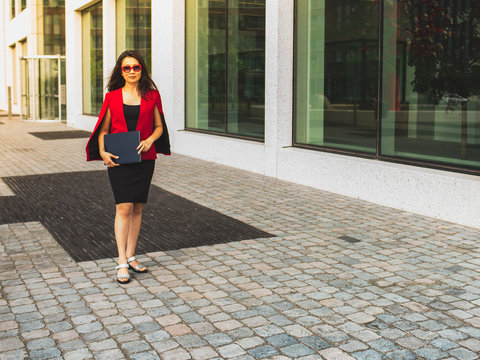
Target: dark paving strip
<point x="349" y="239"/>
<point x="78" y="210"/>
<point x="2" y="123"/>
<point x="57" y="135"/>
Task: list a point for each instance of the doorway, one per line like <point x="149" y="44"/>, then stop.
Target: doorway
<point x="43" y="85"/>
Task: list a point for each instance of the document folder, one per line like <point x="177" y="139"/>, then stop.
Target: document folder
<point x="124" y="145"/>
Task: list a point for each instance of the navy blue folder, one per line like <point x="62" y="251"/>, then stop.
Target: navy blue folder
<point x="124" y="145"/>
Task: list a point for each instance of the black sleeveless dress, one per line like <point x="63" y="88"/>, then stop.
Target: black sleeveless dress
<point x="131" y="182"/>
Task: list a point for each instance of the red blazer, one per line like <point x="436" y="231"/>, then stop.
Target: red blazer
<point x="114" y="101"/>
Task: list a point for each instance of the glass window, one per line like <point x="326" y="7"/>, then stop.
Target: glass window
<point x="54" y="27"/>
<point x="92" y="59"/>
<point x="134" y="28"/>
<point x="431" y="88"/>
<point x="337" y="72"/>
<point x="225" y="66"/>
<point x="23" y="5"/>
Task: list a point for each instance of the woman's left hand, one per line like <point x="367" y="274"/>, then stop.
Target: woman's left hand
<point x="144" y="146"/>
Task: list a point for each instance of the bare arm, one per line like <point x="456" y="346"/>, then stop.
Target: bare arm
<point x="146" y="144"/>
<point x="104" y="130"/>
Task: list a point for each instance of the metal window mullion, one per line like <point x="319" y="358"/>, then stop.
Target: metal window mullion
<point x="380" y="78"/>
<point x="225" y="116"/>
<point x="59" y="89"/>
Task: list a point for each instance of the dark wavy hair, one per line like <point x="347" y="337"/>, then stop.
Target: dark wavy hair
<point x="116" y="80"/>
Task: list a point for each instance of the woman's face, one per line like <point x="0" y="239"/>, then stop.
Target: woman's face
<point x="131" y="70"/>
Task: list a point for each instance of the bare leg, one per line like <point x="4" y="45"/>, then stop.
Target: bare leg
<point x="122" y="226"/>
<point x="134" y="230"/>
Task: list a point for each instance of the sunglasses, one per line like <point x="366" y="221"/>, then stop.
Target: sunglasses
<point x="128" y="68"/>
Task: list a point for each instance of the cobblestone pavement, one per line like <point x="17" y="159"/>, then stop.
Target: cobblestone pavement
<point x="342" y="279"/>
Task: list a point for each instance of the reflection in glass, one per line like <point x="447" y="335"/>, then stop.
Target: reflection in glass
<point x="225" y="75"/>
<point x="53" y="27"/>
<point x="246" y="68"/>
<point x="337" y="72"/>
<point x="92" y="59"/>
<point x="431" y="72"/>
<point x="134" y="28"/>
<point x="48" y="88"/>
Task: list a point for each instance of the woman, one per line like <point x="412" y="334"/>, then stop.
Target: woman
<point x="132" y="104"/>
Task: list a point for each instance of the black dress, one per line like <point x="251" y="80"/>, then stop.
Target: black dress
<point x="131" y="182"/>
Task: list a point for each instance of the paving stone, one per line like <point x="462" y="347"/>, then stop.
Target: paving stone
<point x="148" y="327"/>
<point x="268" y="330"/>
<point x="190" y="341"/>
<point x="368" y="355"/>
<point x="103" y="345"/>
<point x="45" y="353"/>
<point x="10" y="344"/>
<point x="382" y="345"/>
<point x="14" y="355"/>
<point x="60" y="326"/>
<point x="250" y="342"/>
<point x="75" y="344"/>
<point x="135" y="346"/>
<point x="146" y="355"/>
<point x="40" y="343"/>
<point x="463" y="354"/>
<point x="218" y="339"/>
<point x="203" y="353"/>
<point x="402" y="355"/>
<point x="430" y="353"/>
<point x="262" y="352"/>
<point x="111" y="354"/>
<point x="230" y="351"/>
<point x="444" y="344"/>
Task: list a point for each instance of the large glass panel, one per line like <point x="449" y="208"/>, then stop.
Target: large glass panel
<point x="48" y="89"/>
<point x="134" y="27"/>
<point x="54" y="27"/>
<point x="206" y="64"/>
<point x="337" y="74"/>
<point x="246" y="68"/>
<point x="431" y="72"/>
<point x="225" y="76"/>
<point x="92" y="59"/>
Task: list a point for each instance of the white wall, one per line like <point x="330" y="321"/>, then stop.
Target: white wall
<point x="22" y="26"/>
<point x="440" y="194"/>
<point x="3" y="54"/>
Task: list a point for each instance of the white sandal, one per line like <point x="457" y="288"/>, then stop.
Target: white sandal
<point x="136" y="268"/>
<point x="121" y="276"/>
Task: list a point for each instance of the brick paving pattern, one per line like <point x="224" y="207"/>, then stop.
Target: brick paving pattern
<point x="341" y="279"/>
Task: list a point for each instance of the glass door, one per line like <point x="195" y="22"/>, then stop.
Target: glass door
<point x="48" y="89"/>
<point x="25" y="94"/>
<point x="43" y="88"/>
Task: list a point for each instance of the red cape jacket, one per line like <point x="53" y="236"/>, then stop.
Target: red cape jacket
<point x="114" y="101"/>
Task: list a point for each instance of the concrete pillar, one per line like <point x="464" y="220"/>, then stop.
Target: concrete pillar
<point x="168" y="60"/>
<point x="109" y="38"/>
<point x="278" y="80"/>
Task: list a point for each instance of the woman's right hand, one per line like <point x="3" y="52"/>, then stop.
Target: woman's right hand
<point x="108" y="159"/>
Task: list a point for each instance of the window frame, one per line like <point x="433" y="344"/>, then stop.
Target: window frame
<point x="82" y="34"/>
<point x="225" y="132"/>
<point x="359" y="154"/>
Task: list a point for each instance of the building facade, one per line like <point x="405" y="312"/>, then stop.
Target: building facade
<point x="33" y="46"/>
<point x="373" y="99"/>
